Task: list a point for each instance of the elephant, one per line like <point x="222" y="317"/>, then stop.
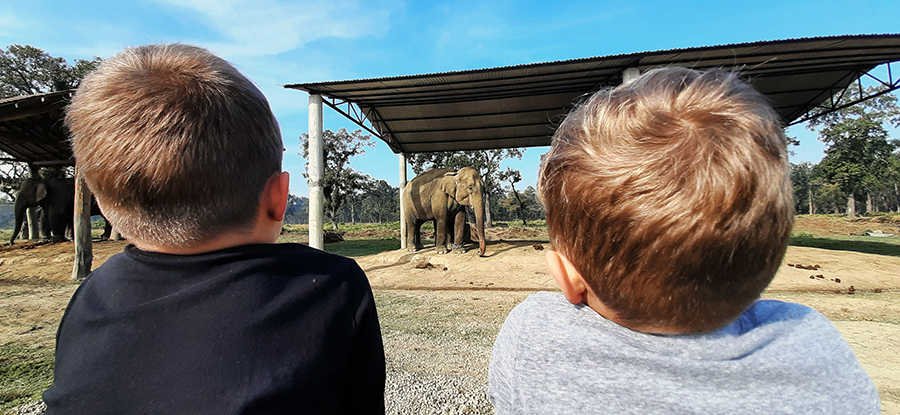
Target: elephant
<point x="56" y="198"/>
<point x="441" y="196"/>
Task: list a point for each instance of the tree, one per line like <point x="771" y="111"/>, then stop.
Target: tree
<point x="27" y="70"/>
<point x="487" y="162"/>
<point x="858" y="150"/>
<point x="297" y="210"/>
<point x="341" y="183"/>
<point x="801" y="179"/>
<point x="380" y="202"/>
<point x="512" y="177"/>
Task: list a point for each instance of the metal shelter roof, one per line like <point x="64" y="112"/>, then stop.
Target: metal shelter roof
<point x="31" y="129"/>
<point x="520" y="106"/>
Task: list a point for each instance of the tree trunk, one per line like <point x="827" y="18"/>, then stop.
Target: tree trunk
<point x="851" y="207"/>
<point x="521" y="205"/>
<point x="897" y="197"/>
<point x="869" y="207"/>
<point x="812" y="208"/>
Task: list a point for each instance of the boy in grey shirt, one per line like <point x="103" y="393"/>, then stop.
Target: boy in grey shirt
<point x="669" y="209"/>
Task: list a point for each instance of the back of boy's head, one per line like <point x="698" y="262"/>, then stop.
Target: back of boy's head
<point x="671" y="197"/>
<point x="176" y="143"/>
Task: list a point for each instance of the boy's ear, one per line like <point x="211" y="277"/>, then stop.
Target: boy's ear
<point x="567" y="277"/>
<point x="275" y="196"/>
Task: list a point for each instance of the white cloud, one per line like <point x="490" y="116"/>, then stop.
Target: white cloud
<point x="7" y="21"/>
<point x="270" y="27"/>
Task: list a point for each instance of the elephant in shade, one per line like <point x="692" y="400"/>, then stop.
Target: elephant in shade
<point x="442" y="196"/>
<point x="56" y="198"/>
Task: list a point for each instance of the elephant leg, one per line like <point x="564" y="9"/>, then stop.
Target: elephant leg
<point x="459" y="223"/>
<point x="412" y="234"/>
<point x="57" y="224"/>
<point x="440" y="236"/>
<point x="45" y="224"/>
<point x="107" y="230"/>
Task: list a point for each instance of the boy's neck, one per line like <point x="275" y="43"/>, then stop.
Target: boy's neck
<point x="221" y="242"/>
<point x="264" y="232"/>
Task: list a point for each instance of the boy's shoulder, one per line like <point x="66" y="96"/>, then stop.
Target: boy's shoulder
<point x="287" y="268"/>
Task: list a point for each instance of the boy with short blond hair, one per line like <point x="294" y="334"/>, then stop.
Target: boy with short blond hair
<point x="669" y="208"/>
<point x="203" y="313"/>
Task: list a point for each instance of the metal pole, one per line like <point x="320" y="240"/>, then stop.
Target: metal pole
<point x="316" y="174"/>
<point x="83" y="249"/>
<point x="403" y="231"/>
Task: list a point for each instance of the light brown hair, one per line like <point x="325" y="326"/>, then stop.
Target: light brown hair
<point x="671" y="196"/>
<point x="176" y="144"/>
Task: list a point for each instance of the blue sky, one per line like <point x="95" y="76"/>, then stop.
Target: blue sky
<point x="278" y="42"/>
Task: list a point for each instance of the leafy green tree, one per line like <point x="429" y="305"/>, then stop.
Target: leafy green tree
<point x="27" y="70"/>
<point x="487" y="162"/>
<point x="380" y="202"/>
<point x="858" y="147"/>
<point x="801" y="179"/>
<point x="297" y="210"/>
<point x="341" y="183"/>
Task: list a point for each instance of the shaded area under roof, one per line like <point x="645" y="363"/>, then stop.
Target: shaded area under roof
<point x="520" y="106"/>
<point x="32" y="131"/>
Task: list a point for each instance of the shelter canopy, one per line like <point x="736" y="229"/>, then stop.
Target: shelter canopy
<point x="520" y="106"/>
<point x="32" y="130"/>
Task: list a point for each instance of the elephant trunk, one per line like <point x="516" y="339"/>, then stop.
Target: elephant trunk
<point x="20" y="208"/>
<point x="478" y="206"/>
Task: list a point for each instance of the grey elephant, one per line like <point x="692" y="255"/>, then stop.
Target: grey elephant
<point x="56" y="198"/>
<point x="441" y="196"/>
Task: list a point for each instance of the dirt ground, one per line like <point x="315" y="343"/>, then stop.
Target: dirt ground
<point x="859" y="292"/>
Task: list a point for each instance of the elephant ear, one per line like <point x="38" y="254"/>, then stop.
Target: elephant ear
<point x="40" y="191"/>
<point x="448" y="183"/>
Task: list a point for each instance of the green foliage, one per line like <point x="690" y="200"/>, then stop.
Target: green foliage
<point x="297" y="210"/>
<point x="859" y="161"/>
<point x="27" y="70"/>
<point x="25" y="372"/>
<point x="341" y="183"/>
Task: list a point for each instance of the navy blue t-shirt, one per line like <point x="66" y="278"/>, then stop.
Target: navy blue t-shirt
<point x="254" y="329"/>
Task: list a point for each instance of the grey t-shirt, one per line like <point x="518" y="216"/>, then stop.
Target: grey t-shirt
<point x="552" y="357"/>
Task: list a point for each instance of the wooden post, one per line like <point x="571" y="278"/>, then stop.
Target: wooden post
<point x="83" y="250"/>
<point x="404" y="233"/>
<point x="316" y="173"/>
<point x="34" y="226"/>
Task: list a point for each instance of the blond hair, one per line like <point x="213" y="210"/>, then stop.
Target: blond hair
<point x="176" y="143"/>
<point x="671" y="196"/>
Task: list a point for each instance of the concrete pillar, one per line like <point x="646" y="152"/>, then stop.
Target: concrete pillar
<point x="83" y="250"/>
<point x="316" y="174"/>
<point x="403" y="231"/>
<point x="34" y="226"/>
<point x="630" y="74"/>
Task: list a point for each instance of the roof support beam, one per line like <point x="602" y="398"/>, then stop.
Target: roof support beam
<point x="890" y="85"/>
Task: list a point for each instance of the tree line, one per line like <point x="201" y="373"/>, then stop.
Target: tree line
<point x="861" y="167"/>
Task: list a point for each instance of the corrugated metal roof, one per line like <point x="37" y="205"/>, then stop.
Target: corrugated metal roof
<point x="519" y="106"/>
<point x="31" y="128"/>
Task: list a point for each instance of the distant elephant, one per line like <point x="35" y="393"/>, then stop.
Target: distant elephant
<point x="442" y="196"/>
<point x="56" y="198"/>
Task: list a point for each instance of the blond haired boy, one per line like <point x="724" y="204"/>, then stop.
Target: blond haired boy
<point x="203" y="313"/>
<point x="669" y="209"/>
